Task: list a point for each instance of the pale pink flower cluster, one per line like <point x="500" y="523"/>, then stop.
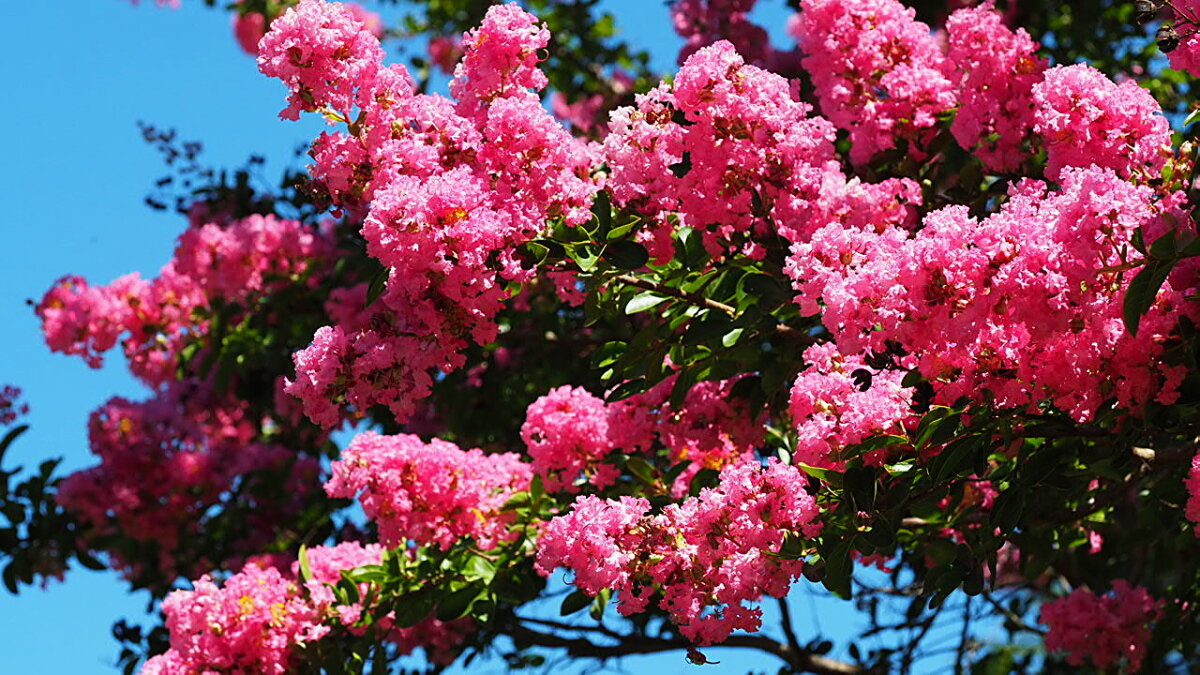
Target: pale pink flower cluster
<point x="166" y="461"/>
<point x="1084" y="118"/>
<point x="450" y="188"/>
<point x="1013" y="304"/>
<point x="1106" y="630"/>
<point x="703" y="558"/>
<point x="431" y="493"/>
<point x="879" y="73"/>
<point x="998" y="69"/>
<point x="1192" y="509"/>
<point x="154" y="319"/>
<point x="11" y="409"/>
<point x="839" y="401"/>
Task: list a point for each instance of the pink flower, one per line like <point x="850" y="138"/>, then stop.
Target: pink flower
<point x="1084" y="118"/>
<point x="252" y="623"/>
<point x="431" y="493"/>
<point x="324" y="53"/>
<point x="878" y="72"/>
<point x="703" y="559"/>
<point x="1105" y="630"/>
<point x="998" y="69"/>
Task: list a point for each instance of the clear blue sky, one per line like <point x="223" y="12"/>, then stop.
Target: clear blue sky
<point x="80" y="74"/>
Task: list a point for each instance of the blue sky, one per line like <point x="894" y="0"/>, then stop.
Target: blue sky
<point x="80" y="75"/>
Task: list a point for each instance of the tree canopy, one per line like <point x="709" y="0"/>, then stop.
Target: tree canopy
<point x="905" y="310"/>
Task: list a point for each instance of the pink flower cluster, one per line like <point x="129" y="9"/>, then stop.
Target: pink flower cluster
<point x="1107" y="630"/>
<point x="251" y="624"/>
<point x="257" y="620"/>
<point x="997" y="70"/>
<point x="879" y="73"/>
<point x="249" y="28"/>
<point x="1084" y="118"/>
<point x="236" y="261"/>
<point x="728" y="149"/>
<point x="250" y="256"/>
<point x="703" y="558"/>
<point x="1013" y="304"/>
<point x="432" y="493"/>
<point x="451" y="189"/>
<point x="166" y="461"/>
<point x="154" y="317"/>
<point x="569" y="432"/>
<point x="840" y="401"/>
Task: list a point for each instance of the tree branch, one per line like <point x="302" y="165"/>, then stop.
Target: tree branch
<point x="800" y="661"/>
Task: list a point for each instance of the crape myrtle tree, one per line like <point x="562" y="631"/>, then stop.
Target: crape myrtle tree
<point x="905" y="309"/>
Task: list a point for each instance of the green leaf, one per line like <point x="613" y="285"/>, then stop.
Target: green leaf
<point x="860" y="486"/>
<point x="620" y="231"/>
<point x="414" y="608"/>
<point x="872" y="444"/>
<point x="1142" y="291"/>
<point x="367" y="574"/>
<point x="643" y="301"/>
<point x="937" y="427"/>
<point x="1007" y="510"/>
<point x="942" y="551"/>
<point x="479" y="568"/>
<point x="585" y="256"/>
<point x="839" y="569"/>
<point x="602" y="208"/>
<point x="824" y="475"/>
<point x="704" y="478"/>
<point x="12" y="435"/>
<point x="881" y="535"/>
<point x="642" y="469"/>
<point x="626" y="255"/>
<point x="378" y="284"/>
<point x="711" y="328"/>
<point x="537" y="489"/>
<point x="457" y="604"/>
<point x="305" y="568"/>
<point x="574" y="602"/>
<point x="955" y="458"/>
<point x="1163" y="248"/>
<point x="627" y="389"/>
<point x="517" y="501"/>
<point x="600" y="603"/>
